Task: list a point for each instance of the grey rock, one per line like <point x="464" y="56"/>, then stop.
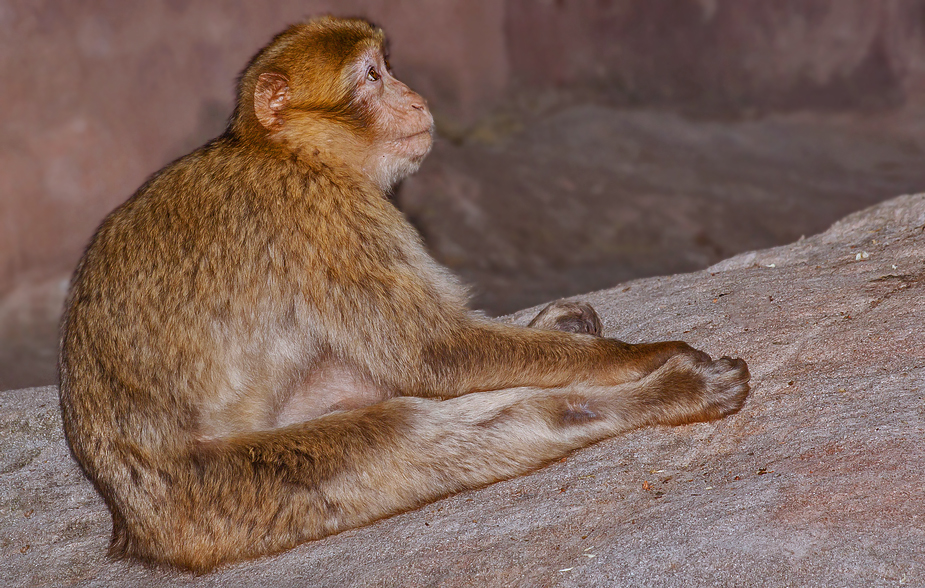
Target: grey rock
<point x="818" y="481"/>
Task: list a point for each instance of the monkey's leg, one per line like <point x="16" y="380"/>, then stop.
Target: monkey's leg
<point x="570" y="317"/>
<point x="268" y="491"/>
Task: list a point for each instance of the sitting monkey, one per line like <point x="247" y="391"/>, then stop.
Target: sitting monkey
<point x="257" y="351"/>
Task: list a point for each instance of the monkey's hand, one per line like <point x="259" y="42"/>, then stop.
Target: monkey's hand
<point x="570" y="317"/>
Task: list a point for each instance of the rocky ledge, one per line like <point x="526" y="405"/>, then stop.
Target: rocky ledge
<point x="818" y="481"/>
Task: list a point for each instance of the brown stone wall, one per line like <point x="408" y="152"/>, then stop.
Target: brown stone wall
<point x="722" y="55"/>
<point x="96" y="95"/>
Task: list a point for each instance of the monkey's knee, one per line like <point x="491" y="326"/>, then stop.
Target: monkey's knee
<point x="570" y="317"/>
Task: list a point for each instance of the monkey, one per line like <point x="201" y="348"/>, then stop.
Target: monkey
<point x="257" y="351"/>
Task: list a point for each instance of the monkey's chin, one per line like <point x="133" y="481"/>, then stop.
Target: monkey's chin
<point x="393" y="168"/>
<point x="398" y="159"/>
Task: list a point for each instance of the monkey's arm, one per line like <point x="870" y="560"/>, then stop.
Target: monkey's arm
<point x="486" y="355"/>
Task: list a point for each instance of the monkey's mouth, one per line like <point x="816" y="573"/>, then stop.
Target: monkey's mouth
<point x="428" y="131"/>
<point x="420" y="141"/>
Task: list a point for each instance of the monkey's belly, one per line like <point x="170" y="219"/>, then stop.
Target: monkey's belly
<point x="326" y="390"/>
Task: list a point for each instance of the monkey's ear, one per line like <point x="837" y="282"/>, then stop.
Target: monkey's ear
<point x="271" y="95"/>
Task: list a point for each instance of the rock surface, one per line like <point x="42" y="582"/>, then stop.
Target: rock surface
<point x="818" y="481"/>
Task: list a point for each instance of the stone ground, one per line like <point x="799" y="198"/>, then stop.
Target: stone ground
<point x="556" y="195"/>
<point x="818" y="481"/>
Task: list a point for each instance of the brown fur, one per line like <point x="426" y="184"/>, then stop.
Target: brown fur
<point x="257" y="351"/>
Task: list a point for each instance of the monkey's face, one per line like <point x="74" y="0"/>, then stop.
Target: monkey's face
<point x="346" y="109"/>
<point x="401" y="124"/>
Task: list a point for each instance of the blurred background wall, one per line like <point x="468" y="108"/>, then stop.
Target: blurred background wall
<point x="583" y="143"/>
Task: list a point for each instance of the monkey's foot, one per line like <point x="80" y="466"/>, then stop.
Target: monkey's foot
<point x="570" y="317"/>
<point x="689" y="390"/>
<point x="726" y="384"/>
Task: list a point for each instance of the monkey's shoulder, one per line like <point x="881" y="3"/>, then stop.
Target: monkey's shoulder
<point x="229" y="180"/>
<point x="228" y="201"/>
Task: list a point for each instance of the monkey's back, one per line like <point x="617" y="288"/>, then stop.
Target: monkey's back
<point x="223" y="274"/>
<point x="163" y="294"/>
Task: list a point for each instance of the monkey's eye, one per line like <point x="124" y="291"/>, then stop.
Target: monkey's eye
<point x="373" y="75"/>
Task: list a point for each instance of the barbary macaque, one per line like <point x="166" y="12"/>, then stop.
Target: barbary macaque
<point x="257" y="350"/>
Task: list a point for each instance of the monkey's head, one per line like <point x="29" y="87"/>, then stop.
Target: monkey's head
<point x="324" y="89"/>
